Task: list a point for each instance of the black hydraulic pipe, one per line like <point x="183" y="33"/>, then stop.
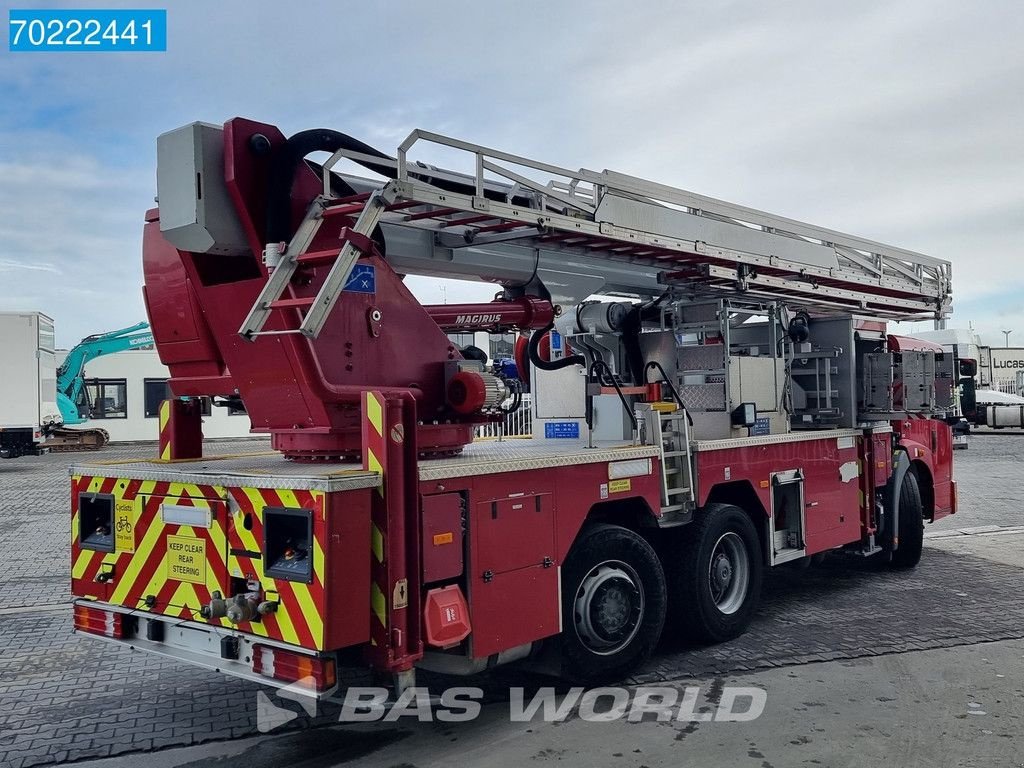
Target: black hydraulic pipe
<point x="533" y="348"/>
<point x="288" y="157"/>
<point x="286" y="161"/>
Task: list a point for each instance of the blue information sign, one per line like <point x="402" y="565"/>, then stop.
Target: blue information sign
<point x="363" y="279"/>
<point x="566" y="429"/>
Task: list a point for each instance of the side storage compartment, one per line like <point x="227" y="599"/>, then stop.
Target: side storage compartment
<point x="514" y="582"/>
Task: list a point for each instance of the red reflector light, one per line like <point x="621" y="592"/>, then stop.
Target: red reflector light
<point x="98" y="621"/>
<point x="313" y="672"/>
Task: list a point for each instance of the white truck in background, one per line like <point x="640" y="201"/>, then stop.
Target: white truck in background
<point x="995" y="397"/>
<point x="28" y="384"/>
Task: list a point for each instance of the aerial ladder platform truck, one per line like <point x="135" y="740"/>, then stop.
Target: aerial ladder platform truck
<point x="714" y="392"/>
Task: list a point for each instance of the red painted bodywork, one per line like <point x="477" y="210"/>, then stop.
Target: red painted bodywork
<point x="832" y="507"/>
<point x="520" y="527"/>
<point x="929" y="445"/>
<point x="910" y="344"/>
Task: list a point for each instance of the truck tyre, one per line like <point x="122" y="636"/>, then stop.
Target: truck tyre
<point x="715" y="576"/>
<point x="911" y="528"/>
<point x="613" y="603"/>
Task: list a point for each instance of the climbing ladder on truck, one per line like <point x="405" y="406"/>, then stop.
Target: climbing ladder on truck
<point x="713" y="246"/>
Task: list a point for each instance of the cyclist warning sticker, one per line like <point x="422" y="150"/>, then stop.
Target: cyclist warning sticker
<point x="124" y="526"/>
<point x="186" y="559"/>
<point x="619" y="486"/>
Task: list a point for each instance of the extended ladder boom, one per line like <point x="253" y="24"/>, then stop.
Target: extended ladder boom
<point x="699" y="244"/>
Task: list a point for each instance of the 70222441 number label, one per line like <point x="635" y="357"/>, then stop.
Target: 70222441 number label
<point x="87" y="30"/>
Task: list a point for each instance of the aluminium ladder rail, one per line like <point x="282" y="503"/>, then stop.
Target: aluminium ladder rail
<point x="701" y="244"/>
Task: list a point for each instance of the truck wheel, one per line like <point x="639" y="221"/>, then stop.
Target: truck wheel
<point x="911" y="528"/>
<point x="613" y="603"/>
<point x="715" y="578"/>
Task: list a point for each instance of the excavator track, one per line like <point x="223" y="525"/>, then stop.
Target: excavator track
<point x="66" y="440"/>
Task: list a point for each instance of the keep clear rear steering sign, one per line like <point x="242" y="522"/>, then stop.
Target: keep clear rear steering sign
<point x="186" y="559"/>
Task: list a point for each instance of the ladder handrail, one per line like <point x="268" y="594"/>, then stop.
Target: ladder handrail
<point x="867" y="254"/>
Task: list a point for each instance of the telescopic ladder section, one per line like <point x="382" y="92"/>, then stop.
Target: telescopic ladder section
<point x="699" y="244"/>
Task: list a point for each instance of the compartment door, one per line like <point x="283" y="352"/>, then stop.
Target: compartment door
<point x="514" y="589"/>
<point x="178" y="552"/>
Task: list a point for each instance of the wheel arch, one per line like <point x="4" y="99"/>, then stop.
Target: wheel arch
<point x="632" y="512"/>
<point x="741" y="494"/>
<point x="926" y="485"/>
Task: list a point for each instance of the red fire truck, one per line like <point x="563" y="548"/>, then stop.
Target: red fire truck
<point x="712" y="391"/>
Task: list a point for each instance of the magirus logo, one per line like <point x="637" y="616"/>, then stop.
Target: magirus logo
<point x="476" y="319"/>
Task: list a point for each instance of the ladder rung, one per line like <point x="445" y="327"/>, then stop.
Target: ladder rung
<point x="504" y="226"/>
<point x="436" y="213"/>
<point x="467" y="220"/>
<point x="672" y="508"/>
<point x="343" y="210"/>
<point x="357" y="198"/>
<point x="316" y="257"/>
<point x="671" y="454"/>
<point x="302" y="303"/>
<point x="403" y="204"/>
<point x="677" y="491"/>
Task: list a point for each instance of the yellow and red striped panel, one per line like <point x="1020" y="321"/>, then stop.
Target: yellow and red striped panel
<point x="375" y="460"/>
<point x="232" y="546"/>
<point x="144" y="572"/>
<point x="299" y="618"/>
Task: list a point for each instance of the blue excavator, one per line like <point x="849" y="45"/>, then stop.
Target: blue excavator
<point x="72" y="398"/>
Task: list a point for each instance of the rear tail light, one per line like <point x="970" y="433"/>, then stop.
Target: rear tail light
<point x="98" y="621"/>
<point x="314" y="672"/>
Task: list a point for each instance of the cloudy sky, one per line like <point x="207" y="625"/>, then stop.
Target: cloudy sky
<point x="898" y="121"/>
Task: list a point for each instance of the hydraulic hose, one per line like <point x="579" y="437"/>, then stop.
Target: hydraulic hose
<point x="550" y="365"/>
<point x="287" y="159"/>
<point x="671" y="388"/>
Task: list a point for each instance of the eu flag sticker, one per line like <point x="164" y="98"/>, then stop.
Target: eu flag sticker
<point x="362" y="280"/>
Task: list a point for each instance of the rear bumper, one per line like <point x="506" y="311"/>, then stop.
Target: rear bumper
<point x="200" y="644"/>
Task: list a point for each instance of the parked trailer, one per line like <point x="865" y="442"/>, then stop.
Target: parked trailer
<point x="749" y="410"/>
<point x="29" y="391"/>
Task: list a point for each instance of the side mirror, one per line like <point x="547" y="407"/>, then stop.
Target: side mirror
<point x="969" y="368"/>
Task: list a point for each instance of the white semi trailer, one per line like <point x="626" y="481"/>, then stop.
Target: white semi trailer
<point x="28" y="386"/>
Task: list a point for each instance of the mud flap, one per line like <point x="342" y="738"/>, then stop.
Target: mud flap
<point x="890" y="533"/>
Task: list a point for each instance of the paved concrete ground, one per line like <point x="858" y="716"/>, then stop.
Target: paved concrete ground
<point x="64" y="697"/>
<point x="990" y="482"/>
<point x="950" y="707"/>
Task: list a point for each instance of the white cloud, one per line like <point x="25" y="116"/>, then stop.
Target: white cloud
<point x="895" y="121"/>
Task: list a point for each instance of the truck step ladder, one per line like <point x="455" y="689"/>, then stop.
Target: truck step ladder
<point x="673" y="434"/>
<point x="356" y="242"/>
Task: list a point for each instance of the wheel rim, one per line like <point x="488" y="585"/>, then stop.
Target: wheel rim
<point x="729" y="573"/>
<point x="609" y="607"/>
